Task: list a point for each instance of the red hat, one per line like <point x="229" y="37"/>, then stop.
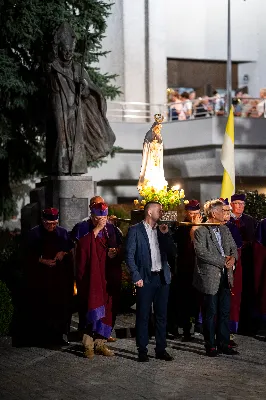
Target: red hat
<point x="192" y="205"/>
<point x="50" y="214"/>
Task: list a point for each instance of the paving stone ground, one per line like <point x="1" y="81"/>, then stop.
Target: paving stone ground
<point x="63" y="374"/>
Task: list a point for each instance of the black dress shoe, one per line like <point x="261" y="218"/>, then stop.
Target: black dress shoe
<point x="143" y="357"/>
<point x="229" y="351"/>
<point x="211" y="352"/>
<point x="164" y="356"/>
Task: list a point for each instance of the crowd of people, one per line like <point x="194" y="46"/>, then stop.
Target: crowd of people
<point x="212" y="273"/>
<point x="183" y="106"/>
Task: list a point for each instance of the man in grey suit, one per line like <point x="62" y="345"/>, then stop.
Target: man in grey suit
<point x="216" y="254"/>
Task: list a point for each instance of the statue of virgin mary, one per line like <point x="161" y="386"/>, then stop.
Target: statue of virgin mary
<point x="152" y="172"/>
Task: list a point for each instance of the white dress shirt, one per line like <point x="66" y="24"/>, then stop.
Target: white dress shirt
<point x="154" y="246"/>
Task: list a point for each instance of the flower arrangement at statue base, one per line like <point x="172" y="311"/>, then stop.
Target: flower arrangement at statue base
<point x="172" y="201"/>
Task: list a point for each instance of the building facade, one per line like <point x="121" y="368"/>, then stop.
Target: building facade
<point x="155" y="44"/>
<point x="192" y="151"/>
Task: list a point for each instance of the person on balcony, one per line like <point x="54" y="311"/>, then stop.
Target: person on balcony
<point x="176" y="108"/>
<point x="261" y="107"/>
<point x="187" y="105"/>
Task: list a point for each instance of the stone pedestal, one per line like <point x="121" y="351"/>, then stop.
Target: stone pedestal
<point x="71" y="195"/>
<point x="30" y="217"/>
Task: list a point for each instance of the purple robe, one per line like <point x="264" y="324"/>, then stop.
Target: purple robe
<point x="260" y="269"/>
<point x="247" y="227"/>
<point x="49" y="289"/>
<point x="235" y="233"/>
<point x="110" y="231"/>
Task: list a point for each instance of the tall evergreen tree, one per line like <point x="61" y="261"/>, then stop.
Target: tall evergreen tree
<point x="27" y="29"/>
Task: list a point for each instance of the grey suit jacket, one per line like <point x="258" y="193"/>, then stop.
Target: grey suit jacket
<point x="209" y="260"/>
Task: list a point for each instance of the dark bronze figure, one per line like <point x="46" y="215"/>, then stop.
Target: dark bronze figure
<point x="77" y="128"/>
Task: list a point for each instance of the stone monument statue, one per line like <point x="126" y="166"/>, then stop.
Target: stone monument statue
<point x="77" y="132"/>
<point x="152" y="171"/>
<point x="77" y="128"/>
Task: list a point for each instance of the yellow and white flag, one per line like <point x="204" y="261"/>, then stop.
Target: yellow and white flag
<point x="228" y="158"/>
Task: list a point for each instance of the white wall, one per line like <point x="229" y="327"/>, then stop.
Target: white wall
<point x="113" y="63"/>
<point x="190" y="29"/>
<point x="261" y="39"/>
<point x="157" y="52"/>
<point x="134" y="50"/>
<point x="198" y="29"/>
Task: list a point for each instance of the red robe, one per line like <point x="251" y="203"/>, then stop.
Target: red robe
<point x="95" y="302"/>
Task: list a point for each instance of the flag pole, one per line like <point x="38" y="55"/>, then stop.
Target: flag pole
<point x="229" y="60"/>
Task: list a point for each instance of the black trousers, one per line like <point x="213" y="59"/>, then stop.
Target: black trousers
<point x="155" y="292"/>
<point x="216" y="315"/>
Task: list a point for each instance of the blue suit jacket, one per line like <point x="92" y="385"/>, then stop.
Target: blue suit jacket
<point x="138" y="253"/>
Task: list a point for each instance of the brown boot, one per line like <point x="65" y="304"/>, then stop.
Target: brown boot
<point x="88" y="344"/>
<point x="100" y="348"/>
<point x="111" y="339"/>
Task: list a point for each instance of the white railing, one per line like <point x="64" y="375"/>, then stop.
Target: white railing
<point x="175" y="112"/>
<point x="134" y="111"/>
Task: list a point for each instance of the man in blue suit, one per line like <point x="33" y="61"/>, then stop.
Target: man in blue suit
<point x="146" y="256"/>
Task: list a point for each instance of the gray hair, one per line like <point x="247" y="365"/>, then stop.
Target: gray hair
<point x="211" y="205"/>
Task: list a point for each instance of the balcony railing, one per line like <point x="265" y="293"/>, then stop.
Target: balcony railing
<point x="182" y="111"/>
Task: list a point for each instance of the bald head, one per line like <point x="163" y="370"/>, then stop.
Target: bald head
<point x="96" y="200"/>
<point x="152" y="212"/>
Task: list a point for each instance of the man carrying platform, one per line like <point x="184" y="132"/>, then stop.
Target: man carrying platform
<point x="247" y="226"/>
<point x="184" y="299"/>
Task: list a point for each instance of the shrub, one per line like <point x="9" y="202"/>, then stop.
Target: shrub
<point x="6" y="309"/>
<point x="10" y="265"/>
<point x="121" y="211"/>
<point x="255" y="204"/>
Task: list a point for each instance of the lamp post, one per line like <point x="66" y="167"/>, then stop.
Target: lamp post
<point x="229" y="59"/>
